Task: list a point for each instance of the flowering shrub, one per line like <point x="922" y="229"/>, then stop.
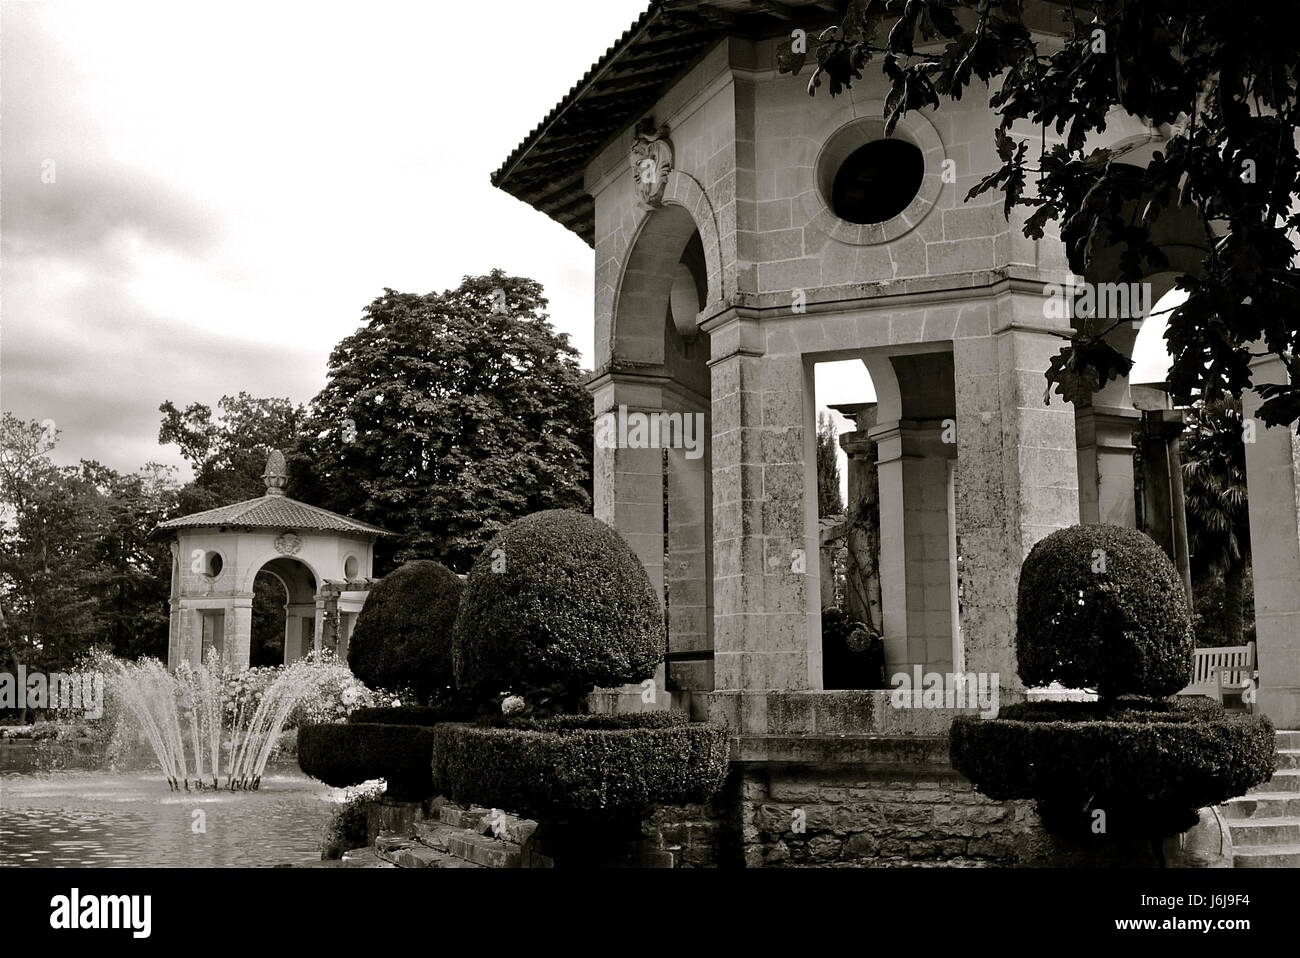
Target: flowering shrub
<point x="335" y="693"/>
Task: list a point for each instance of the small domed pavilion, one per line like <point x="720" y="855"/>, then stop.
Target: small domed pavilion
<point x="323" y="560"/>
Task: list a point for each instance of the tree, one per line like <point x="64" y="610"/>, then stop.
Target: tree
<point x="829" y="502"/>
<point x="1219" y="78"/>
<point x="229" y="453"/>
<point x="131" y="573"/>
<point x="446" y="416"/>
<point x="1218" y="525"/>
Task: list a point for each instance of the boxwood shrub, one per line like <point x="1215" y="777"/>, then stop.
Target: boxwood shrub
<point x="402" y="638"/>
<point x="557" y="599"/>
<point x="343" y="755"/>
<point x="574" y="767"/>
<point x="1102" y="607"/>
<point x="1148" y="765"/>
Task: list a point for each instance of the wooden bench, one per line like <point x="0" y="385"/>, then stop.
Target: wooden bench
<point x="1230" y="669"/>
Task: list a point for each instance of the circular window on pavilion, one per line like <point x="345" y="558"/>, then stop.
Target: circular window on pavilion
<point x="876" y="181"/>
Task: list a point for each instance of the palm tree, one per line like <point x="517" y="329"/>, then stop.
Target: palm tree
<point x="1214" y="481"/>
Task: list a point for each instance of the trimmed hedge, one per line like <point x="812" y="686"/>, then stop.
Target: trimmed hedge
<point x="403" y="635"/>
<point x="343" y="755"/>
<point x="1124" y="629"/>
<point x="557" y="599"/>
<point x="425" y="715"/>
<point x="581" y="767"/>
<point x="1147" y="767"/>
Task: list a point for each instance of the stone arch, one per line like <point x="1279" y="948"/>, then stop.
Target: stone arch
<point x="649" y="268"/>
<point x="260" y="564"/>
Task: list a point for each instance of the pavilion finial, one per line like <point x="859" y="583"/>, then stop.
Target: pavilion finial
<point x="276" y="473"/>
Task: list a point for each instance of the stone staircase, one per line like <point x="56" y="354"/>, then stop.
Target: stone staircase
<point x="455" y="837"/>
<point x="1265" y="822"/>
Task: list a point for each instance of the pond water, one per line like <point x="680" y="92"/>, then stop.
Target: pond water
<point x="111" y="819"/>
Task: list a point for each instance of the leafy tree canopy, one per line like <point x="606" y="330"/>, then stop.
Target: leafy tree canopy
<point x="446" y="415"/>
<point x="228" y="453"/>
<point x="1219" y="78"/>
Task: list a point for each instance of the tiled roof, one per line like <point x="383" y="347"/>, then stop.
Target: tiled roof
<point x="275" y="512"/>
<point x="546" y="169"/>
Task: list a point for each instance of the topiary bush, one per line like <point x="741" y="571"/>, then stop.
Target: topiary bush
<point x="1149" y="765"/>
<point x="344" y="755"/>
<point x="403" y="635"/>
<point x="557" y="599"/>
<point x="1103" y="607"/>
<point x="584" y="767"/>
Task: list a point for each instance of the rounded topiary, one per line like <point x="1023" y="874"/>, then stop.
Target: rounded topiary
<point x="402" y="638"/>
<point x="1102" y="607"/>
<point x="343" y="755"/>
<point x="557" y="599"/>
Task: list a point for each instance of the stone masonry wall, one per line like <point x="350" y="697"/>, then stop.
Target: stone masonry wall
<point x="782" y="816"/>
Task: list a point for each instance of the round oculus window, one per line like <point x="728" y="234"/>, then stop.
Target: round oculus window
<point x="877" y="181"/>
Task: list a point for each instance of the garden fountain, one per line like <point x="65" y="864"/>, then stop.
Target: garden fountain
<point x="191" y="707"/>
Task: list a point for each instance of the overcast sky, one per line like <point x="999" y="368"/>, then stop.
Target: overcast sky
<point x="233" y="182"/>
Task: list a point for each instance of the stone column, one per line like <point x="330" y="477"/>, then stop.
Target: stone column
<point x="1273" y="480"/>
<point x="239" y="631"/>
<point x="888" y="439"/>
<point x="628" y="494"/>
<point x="1105" y="469"/>
<point x="689" y="576"/>
<point x="1017" y="469"/>
<point x="764" y="520"/>
<point x="1163" y="515"/>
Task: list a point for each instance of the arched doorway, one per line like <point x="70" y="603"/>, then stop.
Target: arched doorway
<point x="291" y="582"/>
<point x="270" y="602"/>
<point x="653" y="484"/>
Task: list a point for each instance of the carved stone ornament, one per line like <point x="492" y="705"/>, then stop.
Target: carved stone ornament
<point x="288" y="543"/>
<point x="652" y="160"/>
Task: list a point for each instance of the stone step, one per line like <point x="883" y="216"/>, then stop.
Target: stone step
<point x="1288" y="758"/>
<point x="457" y="817"/>
<point x="462" y="843"/>
<point x="409" y="853"/>
<point x="1262" y="805"/>
<point x="1283" y="780"/>
<point x="1288" y="739"/>
<point x="1266" y="831"/>
<point x="1266" y="856"/>
<point x="489" y="852"/>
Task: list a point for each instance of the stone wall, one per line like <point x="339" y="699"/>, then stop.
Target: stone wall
<point x="777" y="815"/>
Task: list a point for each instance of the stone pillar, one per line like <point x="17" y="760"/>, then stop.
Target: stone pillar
<point x="689" y="573"/>
<point x="1018" y="474"/>
<point x="764" y="519"/>
<point x="1163" y="510"/>
<point x="239" y="631"/>
<point x="915" y="578"/>
<point x="888" y="439"/>
<point x="628" y="494"/>
<point x="1105" y="469"/>
<point x="1273" y="481"/>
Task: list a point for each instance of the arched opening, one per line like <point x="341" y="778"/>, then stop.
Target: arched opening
<point x="270" y="602"/>
<point x="292" y="583"/>
<point x="654" y="486"/>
